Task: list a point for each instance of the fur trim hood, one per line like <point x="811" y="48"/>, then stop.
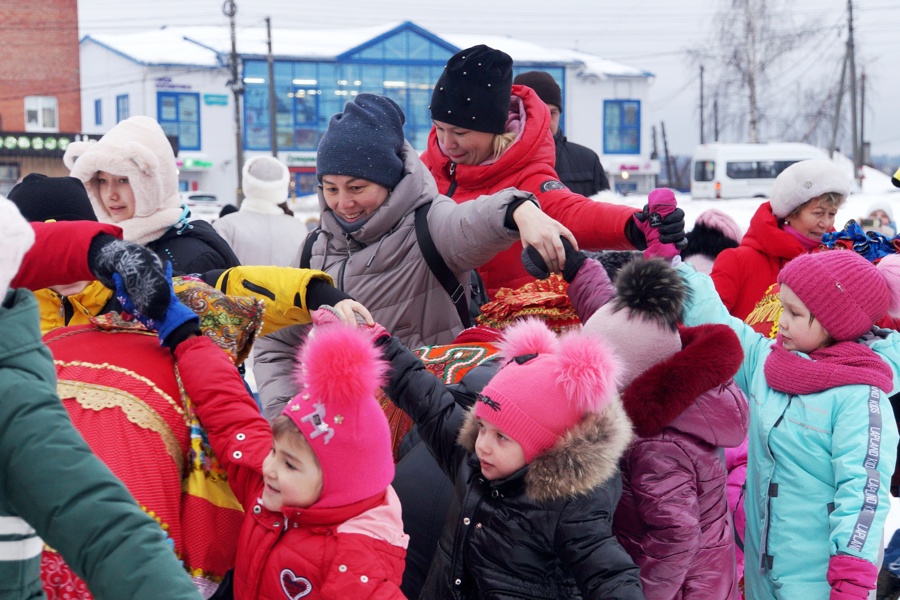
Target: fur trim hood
<point x="710" y="357"/>
<point x="586" y="457"/>
<point x="136" y="148"/>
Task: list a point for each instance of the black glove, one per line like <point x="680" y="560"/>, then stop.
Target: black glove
<point x="537" y="268"/>
<point x="671" y="229"/>
<point x="142" y="274"/>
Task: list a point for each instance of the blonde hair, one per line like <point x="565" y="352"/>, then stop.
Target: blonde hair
<point x="827" y="200"/>
<point x="502" y="141"/>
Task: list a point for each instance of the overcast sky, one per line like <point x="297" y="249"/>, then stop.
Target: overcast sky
<point x="654" y="35"/>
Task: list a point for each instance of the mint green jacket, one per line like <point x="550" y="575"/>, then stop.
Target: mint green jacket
<point x="53" y="486"/>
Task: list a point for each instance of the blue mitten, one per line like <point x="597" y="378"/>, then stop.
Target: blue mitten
<point x="178" y="322"/>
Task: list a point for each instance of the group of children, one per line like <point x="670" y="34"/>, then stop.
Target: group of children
<point x="589" y="465"/>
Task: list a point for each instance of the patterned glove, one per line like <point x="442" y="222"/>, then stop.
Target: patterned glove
<point x="537" y="268"/>
<point x="178" y="321"/>
<point x="143" y="276"/>
<point x="662" y="224"/>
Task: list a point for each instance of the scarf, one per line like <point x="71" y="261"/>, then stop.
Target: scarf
<point x="807" y="242"/>
<point x="844" y="363"/>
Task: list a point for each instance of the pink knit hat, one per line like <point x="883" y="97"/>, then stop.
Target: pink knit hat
<point x="547" y="385"/>
<point x="720" y="221"/>
<point x="339" y="371"/>
<point x="844" y="291"/>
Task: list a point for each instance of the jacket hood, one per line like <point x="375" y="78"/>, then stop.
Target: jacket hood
<point x="535" y="144"/>
<point x="692" y="391"/>
<point x="417" y="187"/>
<point x="765" y="236"/>
<point x="586" y="457"/>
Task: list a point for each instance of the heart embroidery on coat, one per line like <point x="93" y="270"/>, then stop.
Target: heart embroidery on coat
<point x="295" y="587"/>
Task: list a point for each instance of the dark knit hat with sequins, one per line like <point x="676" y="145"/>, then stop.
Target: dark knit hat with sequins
<point x="474" y="90"/>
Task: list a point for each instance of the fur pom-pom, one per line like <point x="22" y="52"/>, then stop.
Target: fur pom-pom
<point x="339" y="366"/>
<point x="588" y="371"/>
<point x="651" y="289"/>
<point x="528" y="336"/>
<point x="889" y="266"/>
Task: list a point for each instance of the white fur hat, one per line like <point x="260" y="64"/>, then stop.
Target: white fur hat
<point x="16" y="237"/>
<point x="805" y="180"/>
<point x="136" y="148"/>
<point x="266" y="178"/>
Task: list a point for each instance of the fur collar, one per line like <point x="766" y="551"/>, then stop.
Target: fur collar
<point x="585" y="458"/>
<point x="710" y="356"/>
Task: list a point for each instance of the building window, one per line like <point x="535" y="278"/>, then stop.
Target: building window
<point x="123" y="110"/>
<point x="41" y="113"/>
<point x="179" y="116"/>
<point x="9" y="175"/>
<point x="621" y="126"/>
<point x="98" y="112"/>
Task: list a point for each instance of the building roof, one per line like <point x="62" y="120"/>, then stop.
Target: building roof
<point x="208" y="46"/>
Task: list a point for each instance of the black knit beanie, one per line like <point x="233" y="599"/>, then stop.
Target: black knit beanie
<point x="364" y="141"/>
<point x="543" y="83"/>
<point x="474" y="90"/>
<point x="41" y="198"/>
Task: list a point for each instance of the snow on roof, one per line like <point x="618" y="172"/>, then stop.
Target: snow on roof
<point x="202" y="45"/>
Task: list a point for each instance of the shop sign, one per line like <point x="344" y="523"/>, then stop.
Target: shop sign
<point x="300" y="160"/>
<point x="215" y="99"/>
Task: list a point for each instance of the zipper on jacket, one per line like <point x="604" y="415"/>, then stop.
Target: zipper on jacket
<point x="66" y="311"/>
<point x="452" y="187"/>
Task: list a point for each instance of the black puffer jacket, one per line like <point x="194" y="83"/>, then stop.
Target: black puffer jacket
<point x="579" y="167"/>
<point x="544" y="532"/>
<point x="196" y="248"/>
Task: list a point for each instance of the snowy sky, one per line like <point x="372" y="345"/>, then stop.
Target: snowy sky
<point x="653" y="35"/>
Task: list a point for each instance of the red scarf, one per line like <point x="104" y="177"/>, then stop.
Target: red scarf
<point x="844" y="363"/>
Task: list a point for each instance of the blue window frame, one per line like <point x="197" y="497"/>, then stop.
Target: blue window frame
<point x="98" y="112"/>
<point x="179" y="115"/>
<point x="123" y="108"/>
<point x="621" y="126"/>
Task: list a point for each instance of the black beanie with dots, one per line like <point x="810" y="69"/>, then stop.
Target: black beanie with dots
<point x="474" y="90"/>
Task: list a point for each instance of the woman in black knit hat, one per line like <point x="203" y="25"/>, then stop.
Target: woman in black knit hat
<point x="490" y="134"/>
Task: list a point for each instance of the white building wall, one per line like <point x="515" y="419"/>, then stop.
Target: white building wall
<point x="106" y="74"/>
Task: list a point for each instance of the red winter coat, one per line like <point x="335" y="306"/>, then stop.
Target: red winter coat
<point x="353" y="551"/>
<point x="673" y="516"/>
<point x="743" y="274"/>
<point x="528" y="165"/>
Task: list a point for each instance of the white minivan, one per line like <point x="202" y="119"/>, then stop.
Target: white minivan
<point x="743" y="170"/>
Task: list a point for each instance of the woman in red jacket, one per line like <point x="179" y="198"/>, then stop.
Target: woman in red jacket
<point x="489" y="135"/>
<point x="804" y="201"/>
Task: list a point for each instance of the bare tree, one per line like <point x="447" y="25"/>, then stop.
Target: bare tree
<point x="755" y="41"/>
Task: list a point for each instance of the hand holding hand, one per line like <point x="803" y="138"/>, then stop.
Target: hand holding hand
<point x="139" y="269"/>
<point x="177" y="323"/>
<point x="662" y="223"/>
<point x="538" y="231"/>
<point x="536" y="267"/>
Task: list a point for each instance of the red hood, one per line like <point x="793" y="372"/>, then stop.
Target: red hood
<point x="534" y="145"/>
<point x="765" y="236"/>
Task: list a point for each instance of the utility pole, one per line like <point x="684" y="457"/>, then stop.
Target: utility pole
<point x="701" y="105"/>
<point x="857" y="158"/>
<point x="272" y="104"/>
<point x="837" y="109"/>
<point x="864" y="145"/>
<point x="237" y="88"/>
<point x="716" y="119"/>
<point x="670" y="174"/>
<point x="655" y="154"/>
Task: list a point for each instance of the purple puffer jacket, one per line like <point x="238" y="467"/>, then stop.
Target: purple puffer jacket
<point x="673" y="517"/>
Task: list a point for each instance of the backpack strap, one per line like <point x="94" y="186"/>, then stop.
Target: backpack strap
<point x="306" y="255"/>
<point x="439" y="268"/>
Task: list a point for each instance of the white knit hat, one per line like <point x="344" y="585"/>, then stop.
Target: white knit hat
<point x="805" y="180"/>
<point x="136" y="148"/>
<point x="266" y="179"/>
<point x="16" y="237"/>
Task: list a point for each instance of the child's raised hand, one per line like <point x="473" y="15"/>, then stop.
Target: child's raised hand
<point x="537" y="268"/>
<point x="662" y="223"/>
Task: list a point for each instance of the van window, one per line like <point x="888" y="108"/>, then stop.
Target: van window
<point x="769" y="169"/>
<point x="704" y="170"/>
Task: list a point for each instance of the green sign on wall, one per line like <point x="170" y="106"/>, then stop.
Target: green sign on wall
<point x="215" y="99"/>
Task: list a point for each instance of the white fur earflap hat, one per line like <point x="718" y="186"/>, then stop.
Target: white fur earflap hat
<point x="805" y="180"/>
<point x="16" y="237"/>
<point x="266" y="179"/>
<point x="136" y="148"/>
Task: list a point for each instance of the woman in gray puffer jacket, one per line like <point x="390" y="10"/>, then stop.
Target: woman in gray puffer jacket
<point x="372" y="183"/>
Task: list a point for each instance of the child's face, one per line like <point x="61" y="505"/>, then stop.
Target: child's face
<point x="500" y="455"/>
<point x="794" y="327"/>
<point x="291" y="473"/>
<point x="116" y="195"/>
